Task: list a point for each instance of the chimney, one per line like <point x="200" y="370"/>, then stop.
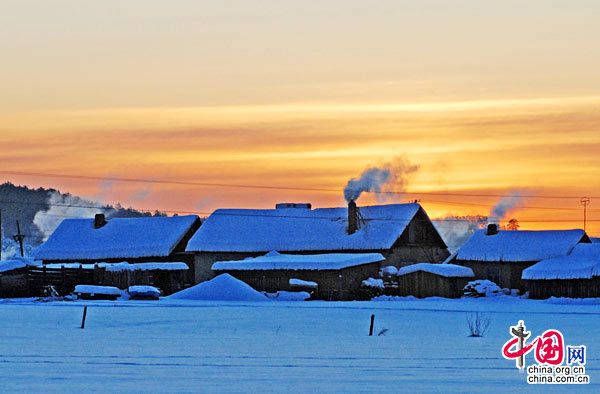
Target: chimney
<point x="99" y="220"/>
<point x="492" y="229"/>
<point x="352" y="217"/>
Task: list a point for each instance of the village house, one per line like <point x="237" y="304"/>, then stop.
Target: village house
<point x="502" y="255"/>
<point x="433" y="280"/>
<point x="334" y="276"/>
<point x="576" y="275"/>
<point x="402" y="233"/>
<point x="149" y="240"/>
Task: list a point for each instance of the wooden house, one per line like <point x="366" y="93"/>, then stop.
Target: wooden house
<point x="576" y="275"/>
<point x="402" y="233"/>
<point x="337" y="276"/>
<point x="433" y="280"/>
<point x="133" y="240"/>
<point x="502" y="255"/>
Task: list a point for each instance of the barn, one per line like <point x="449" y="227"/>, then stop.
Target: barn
<point x="433" y="280"/>
<point x="334" y="276"/>
<point x="402" y="233"/>
<point x="576" y="275"/>
<point x="133" y="240"/>
<point x="502" y="255"/>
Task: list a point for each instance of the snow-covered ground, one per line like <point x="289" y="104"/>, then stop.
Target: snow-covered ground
<point x="209" y="346"/>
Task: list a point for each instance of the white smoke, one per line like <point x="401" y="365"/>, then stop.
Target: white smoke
<point x="63" y="207"/>
<point x="456" y="230"/>
<point x="504" y="206"/>
<point x="392" y="176"/>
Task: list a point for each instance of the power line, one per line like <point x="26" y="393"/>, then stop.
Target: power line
<point x="108" y="207"/>
<point x="249" y="186"/>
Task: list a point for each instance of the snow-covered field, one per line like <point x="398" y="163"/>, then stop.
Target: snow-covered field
<point x="204" y="346"/>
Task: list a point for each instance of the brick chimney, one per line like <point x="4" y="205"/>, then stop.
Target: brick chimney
<point x="99" y="220"/>
<point x="492" y="229"/>
<point x="352" y="217"/>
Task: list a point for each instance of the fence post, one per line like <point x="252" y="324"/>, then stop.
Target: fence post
<point x="83" y="318"/>
<point x="64" y="279"/>
<point x="372" y="325"/>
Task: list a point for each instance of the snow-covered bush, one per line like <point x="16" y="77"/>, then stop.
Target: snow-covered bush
<point x="371" y="282"/>
<point x="370" y="288"/>
<point x="481" y="288"/>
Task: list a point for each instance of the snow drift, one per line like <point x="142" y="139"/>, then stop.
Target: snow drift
<point x="222" y="288"/>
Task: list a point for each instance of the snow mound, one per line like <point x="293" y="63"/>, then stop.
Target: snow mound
<point x="445" y="270"/>
<point x="143" y="291"/>
<point x="389" y="270"/>
<point x="93" y="290"/>
<point x="303" y="283"/>
<point x="289" y="296"/>
<point x="222" y="288"/>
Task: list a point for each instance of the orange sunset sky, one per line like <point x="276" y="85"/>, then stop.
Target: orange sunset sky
<point x="486" y="97"/>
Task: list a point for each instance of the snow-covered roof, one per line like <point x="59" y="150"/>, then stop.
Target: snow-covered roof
<point x="446" y="270"/>
<point x="15" y="263"/>
<point x="77" y="239"/>
<point x="519" y="245"/>
<point x="582" y="263"/>
<point x="315" y="262"/>
<point x="290" y="230"/>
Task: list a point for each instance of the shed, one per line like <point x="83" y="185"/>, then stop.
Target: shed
<point x="501" y="256"/>
<point x="433" y="280"/>
<point x="576" y="275"/>
<point x="402" y="233"/>
<point x="338" y="275"/>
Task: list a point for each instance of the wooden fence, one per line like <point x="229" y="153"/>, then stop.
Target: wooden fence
<point x="64" y="279"/>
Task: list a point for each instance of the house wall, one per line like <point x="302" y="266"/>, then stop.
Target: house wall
<point x="399" y="256"/>
<point x="203" y="262"/>
<point x="571" y="288"/>
<point x="333" y="284"/>
<point x="403" y="255"/>
<point x="424" y="284"/>
<point x="505" y="274"/>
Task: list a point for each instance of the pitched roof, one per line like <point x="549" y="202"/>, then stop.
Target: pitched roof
<point x="582" y="263"/>
<point x="290" y="230"/>
<point x="445" y="270"/>
<point x="312" y="262"/>
<point x="519" y="245"/>
<point x="77" y="239"/>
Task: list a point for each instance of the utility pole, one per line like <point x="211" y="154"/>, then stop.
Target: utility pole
<point x="585" y="201"/>
<point x="19" y="238"/>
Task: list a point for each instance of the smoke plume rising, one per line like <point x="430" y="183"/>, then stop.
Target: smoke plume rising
<point x="456" y="230"/>
<point x="62" y="207"/>
<point x="387" y="178"/>
<point x="504" y="206"/>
